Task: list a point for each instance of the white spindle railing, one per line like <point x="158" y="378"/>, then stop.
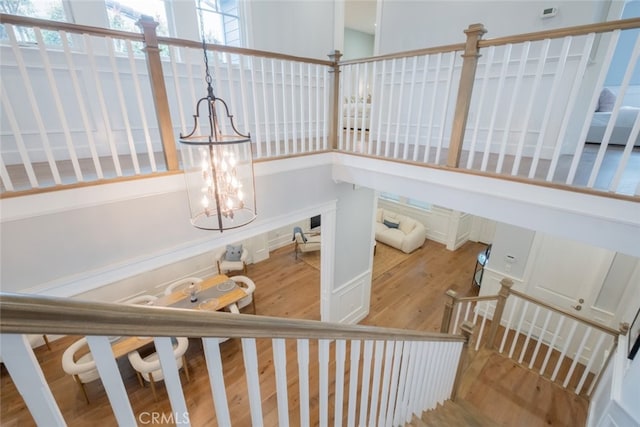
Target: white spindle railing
<point x="530" y="112"/>
<point x="564" y="348"/>
<point x="382" y="106"/>
<point x="390" y="379"/>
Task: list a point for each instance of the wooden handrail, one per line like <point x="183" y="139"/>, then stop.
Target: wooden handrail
<point x="26" y="314"/>
<point x="567" y="313"/>
<point x="578" y="30"/>
<point x="407" y="53"/>
<point x="476" y="299"/>
<point x="106" y="32"/>
<point x="68" y="27"/>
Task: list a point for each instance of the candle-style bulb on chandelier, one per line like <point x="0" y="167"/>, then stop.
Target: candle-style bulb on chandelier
<point x="218" y="167"/>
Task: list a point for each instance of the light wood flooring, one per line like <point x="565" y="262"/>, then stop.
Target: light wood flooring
<point x="409" y="295"/>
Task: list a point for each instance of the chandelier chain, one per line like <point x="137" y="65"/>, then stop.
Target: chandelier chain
<point x="208" y="77"/>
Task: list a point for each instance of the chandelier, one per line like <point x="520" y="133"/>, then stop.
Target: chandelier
<point x="218" y="167"/>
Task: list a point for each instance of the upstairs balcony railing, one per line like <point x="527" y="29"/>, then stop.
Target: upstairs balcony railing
<point x="84" y="105"/>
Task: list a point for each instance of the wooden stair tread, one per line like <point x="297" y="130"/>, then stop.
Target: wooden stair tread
<point x="453" y="414"/>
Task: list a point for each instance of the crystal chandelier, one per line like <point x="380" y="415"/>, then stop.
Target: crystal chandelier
<point x="218" y="168"/>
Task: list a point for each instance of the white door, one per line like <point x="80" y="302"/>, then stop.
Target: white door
<point x="569" y="275"/>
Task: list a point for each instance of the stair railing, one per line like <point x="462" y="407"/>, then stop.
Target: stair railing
<point x="392" y="373"/>
<point x="569" y="350"/>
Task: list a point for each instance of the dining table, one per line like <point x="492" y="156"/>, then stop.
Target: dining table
<point x="212" y="294"/>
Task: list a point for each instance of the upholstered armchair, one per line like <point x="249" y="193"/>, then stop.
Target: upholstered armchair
<point x="232" y="258"/>
<point x="149" y="369"/>
<point x="83" y="370"/>
<point x="305" y="243"/>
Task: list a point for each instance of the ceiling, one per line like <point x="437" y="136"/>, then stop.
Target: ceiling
<point x="360" y="15"/>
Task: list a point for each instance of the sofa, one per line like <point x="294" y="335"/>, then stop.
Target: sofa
<point x="399" y="231"/>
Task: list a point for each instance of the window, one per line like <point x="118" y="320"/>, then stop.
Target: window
<point x="221" y="21"/>
<point x="124" y="14"/>
<point x="43" y="9"/>
<point x="418" y="204"/>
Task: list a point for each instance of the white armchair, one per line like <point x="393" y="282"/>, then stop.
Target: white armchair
<point x="305" y="243"/>
<point x="149" y="368"/>
<point x="249" y="287"/>
<point x="84" y="369"/>
<point x="226" y="265"/>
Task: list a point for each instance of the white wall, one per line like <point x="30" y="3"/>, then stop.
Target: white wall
<point x="86" y="243"/>
<point x="357" y="44"/>
<point x="301" y="28"/>
<point x="407" y="25"/>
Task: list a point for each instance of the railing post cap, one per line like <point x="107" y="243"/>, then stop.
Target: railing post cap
<point x="506" y="282"/>
<point x="475" y="28"/>
<point x="146" y="21"/>
<point x="451" y="293"/>
<point x="624" y="328"/>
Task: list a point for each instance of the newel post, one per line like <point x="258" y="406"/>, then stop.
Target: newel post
<point x="159" y="91"/>
<point x="448" y="310"/>
<point x="467" y="75"/>
<point x="467" y="332"/>
<point x="333" y="131"/>
<point x="497" y="314"/>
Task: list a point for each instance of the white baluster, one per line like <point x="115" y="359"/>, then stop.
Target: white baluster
<point x="265" y="108"/>
<point x="375" y="384"/>
<point x="256" y="111"/>
<point x="392" y="87"/>
<point x="111" y="380"/>
<point x="577" y="355"/>
<point x="386" y="377"/>
<point x="366" y="379"/>
<point x="567" y="343"/>
<point x="594" y="355"/>
<point x="379" y="107"/>
<point x="540" y="338"/>
<point x="552" y="344"/>
<point x="481" y="100"/>
<point x="310" y="108"/>
<point x="432" y="107"/>
<point x="211" y="348"/>
<point x="445" y="106"/>
<point x="353" y="383"/>
<point x="294" y="124"/>
<point x="285" y="117"/>
<point x="339" y="393"/>
<point x="104" y="110"/>
<point x="514" y="92"/>
<point x="250" y="358"/>
<point x="396" y="138"/>
<point x="280" y="364"/>
<point x="323" y="397"/>
<point x="516" y="335"/>
<point x="303" y="380"/>
<point x="20" y="145"/>
<point x="123" y="106"/>
<point x="28" y="378"/>
<point x="393" y="391"/>
<point x="532" y="325"/>
<point x="421" y="103"/>
<point x="135" y="77"/>
<point x="274" y="107"/>
<point x="507" y="327"/>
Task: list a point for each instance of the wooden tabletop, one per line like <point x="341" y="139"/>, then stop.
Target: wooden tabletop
<point x="126" y="345"/>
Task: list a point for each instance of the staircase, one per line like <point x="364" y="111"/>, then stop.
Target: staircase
<point x="453" y="414"/>
<point x="494" y="390"/>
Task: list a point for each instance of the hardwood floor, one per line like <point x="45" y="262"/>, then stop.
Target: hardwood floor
<point x="410" y="295"/>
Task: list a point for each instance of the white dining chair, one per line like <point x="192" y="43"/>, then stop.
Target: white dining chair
<point x="181" y="284"/>
<point x="249" y="287"/>
<point x="149" y="369"/>
<point x="83" y="370"/>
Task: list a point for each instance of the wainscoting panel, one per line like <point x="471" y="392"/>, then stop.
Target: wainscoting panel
<point x="350" y="302"/>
